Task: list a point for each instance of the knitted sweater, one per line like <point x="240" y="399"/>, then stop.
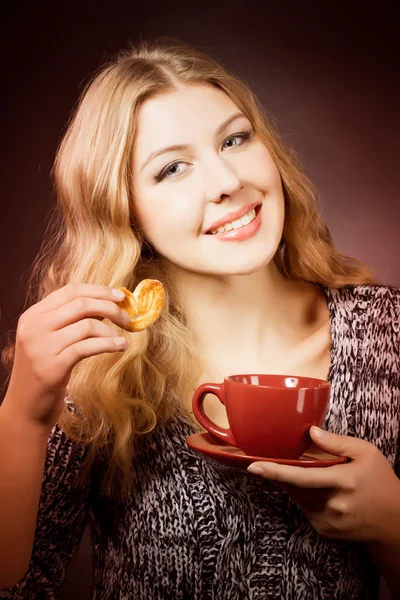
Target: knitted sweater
<point x="192" y="531"/>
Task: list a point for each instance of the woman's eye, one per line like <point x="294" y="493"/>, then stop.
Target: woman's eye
<point x="169" y="171"/>
<point x="237" y="139"/>
<point x="174" y="169"/>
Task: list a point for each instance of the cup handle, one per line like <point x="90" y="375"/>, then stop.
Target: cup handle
<point x="197" y="403"/>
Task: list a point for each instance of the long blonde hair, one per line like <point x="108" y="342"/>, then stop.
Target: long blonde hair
<point x="94" y="238"/>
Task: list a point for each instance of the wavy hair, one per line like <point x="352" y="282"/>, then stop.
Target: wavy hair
<point x="94" y="238"/>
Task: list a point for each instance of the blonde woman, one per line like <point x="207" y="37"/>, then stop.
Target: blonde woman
<point x="166" y="149"/>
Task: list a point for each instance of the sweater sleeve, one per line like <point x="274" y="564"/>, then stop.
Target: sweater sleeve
<point x="63" y="511"/>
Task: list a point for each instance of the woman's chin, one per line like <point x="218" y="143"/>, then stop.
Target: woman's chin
<point x="235" y="264"/>
<point x="241" y="268"/>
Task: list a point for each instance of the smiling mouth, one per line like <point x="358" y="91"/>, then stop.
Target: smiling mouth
<point x="238" y="223"/>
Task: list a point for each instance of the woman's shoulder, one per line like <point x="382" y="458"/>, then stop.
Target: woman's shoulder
<point x="377" y="292"/>
<point x="372" y="299"/>
<point x="374" y="309"/>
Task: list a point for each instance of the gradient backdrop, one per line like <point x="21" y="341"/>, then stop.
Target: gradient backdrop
<point x="329" y="76"/>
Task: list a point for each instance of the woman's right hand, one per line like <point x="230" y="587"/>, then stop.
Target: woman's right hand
<point x="52" y="337"/>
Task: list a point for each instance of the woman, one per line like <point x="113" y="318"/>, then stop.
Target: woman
<point x="170" y="170"/>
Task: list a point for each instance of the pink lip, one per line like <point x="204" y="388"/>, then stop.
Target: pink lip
<point x="243" y="233"/>
<point x="232" y="216"/>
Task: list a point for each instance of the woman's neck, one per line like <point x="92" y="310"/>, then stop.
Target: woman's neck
<point x="247" y="315"/>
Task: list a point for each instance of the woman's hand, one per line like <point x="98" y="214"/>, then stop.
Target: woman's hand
<point x="52" y="337"/>
<point x="359" y="500"/>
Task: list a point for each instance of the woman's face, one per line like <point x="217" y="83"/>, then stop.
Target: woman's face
<point x="207" y="193"/>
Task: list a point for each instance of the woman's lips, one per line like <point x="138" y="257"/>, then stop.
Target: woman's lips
<point x="243" y="233"/>
<point x="233" y="216"/>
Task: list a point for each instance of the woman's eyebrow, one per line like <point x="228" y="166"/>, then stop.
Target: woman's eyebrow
<point x="176" y="147"/>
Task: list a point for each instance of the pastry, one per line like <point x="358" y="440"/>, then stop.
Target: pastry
<point x="143" y="305"/>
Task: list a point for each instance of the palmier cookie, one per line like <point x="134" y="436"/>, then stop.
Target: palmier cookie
<point x="144" y="305"/>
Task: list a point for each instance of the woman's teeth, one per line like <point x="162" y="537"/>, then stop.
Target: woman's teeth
<point x="245" y="220"/>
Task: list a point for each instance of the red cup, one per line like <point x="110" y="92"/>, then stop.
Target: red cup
<point x="268" y="415"/>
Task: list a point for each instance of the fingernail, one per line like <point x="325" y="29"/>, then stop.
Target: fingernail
<point x="255" y="470"/>
<point x="321" y="433"/>
<point x="118" y="294"/>
<point x="120" y="342"/>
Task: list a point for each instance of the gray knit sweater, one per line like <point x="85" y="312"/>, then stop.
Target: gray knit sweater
<point x="192" y="531"/>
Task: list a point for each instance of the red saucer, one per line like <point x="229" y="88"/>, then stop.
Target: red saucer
<point x="218" y="453"/>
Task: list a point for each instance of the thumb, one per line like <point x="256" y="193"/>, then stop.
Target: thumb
<point x="339" y="445"/>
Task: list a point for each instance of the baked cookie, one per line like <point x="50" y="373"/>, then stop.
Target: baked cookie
<point x="144" y="305"/>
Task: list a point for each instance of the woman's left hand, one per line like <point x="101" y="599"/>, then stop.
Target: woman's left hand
<point x="359" y="500"/>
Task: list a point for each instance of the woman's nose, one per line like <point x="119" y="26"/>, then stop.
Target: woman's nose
<point x="220" y="180"/>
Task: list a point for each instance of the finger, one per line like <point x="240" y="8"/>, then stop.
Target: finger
<point x="299" y="476"/>
<point x="84" y="329"/>
<point x="72" y="355"/>
<point x="339" y="445"/>
<point x="82" y="308"/>
<point x="77" y="290"/>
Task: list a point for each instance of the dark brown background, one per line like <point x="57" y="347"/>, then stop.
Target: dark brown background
<point x="328" y="73"/>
